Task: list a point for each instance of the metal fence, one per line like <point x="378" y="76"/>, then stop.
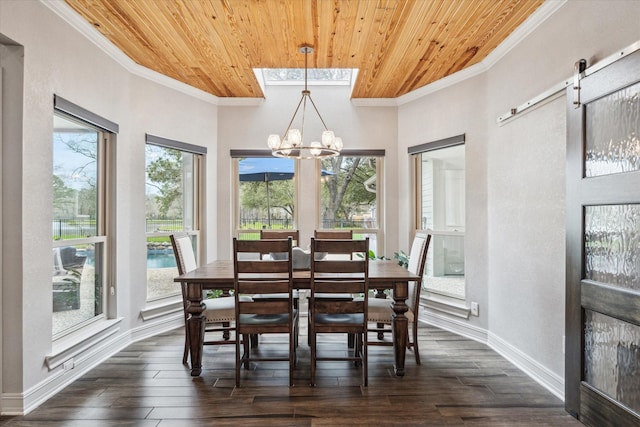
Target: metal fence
<point x="73" y="228"/>
<point x="285" y="224"/>
<point x="161" y="225"/>
<point x="70" y="228"/>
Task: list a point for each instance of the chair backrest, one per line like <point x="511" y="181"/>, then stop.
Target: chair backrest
<point x="185" y="260"/>
<point x="262" y="276"/>
<point x="280" y="234"/>
<point x="183" y="251"/>
<point x="339" y="276"/>
<point x="335" y="235"/>
<point x="417" y="261"/>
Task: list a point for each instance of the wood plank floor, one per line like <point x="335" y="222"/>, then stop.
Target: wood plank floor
<point x="460" y="383"/>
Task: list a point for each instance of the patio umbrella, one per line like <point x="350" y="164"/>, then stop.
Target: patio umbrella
<point x="267" y="169"/>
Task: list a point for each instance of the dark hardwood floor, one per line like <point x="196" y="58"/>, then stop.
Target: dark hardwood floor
<point x="460" y="383"/>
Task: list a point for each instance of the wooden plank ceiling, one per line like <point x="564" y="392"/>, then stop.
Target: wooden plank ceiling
<point x="398" y="45"/>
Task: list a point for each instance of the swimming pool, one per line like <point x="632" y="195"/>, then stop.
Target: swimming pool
<point x="155" y="259"/>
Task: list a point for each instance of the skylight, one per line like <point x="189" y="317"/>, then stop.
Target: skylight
<point x="316" y="76"/>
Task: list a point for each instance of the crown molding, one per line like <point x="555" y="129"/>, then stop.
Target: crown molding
<point x="239" y="102"/>
<point x="71" y="17"/>
<point x="547" y="9"/>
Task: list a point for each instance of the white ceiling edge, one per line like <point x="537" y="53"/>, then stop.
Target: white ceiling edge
<point x="62" y="9"/>
<point x="232" y="101"/>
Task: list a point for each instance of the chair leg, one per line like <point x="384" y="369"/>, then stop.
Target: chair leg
<point x="225" y="334"/>
<point x="365" y="360"/>
<point x="380" y="333"/>
<point x="312" y="343"/>
<point x="187" y="345"/>
<point x="247" y="350"/>
<point x="237" y="359"/>
<point x="416" y="352"/>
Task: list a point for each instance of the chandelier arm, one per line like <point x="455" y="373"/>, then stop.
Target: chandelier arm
<point x="317" y="112"/>
<point x="293" y="117"/>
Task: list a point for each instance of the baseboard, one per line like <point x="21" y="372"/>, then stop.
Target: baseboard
<point x="539" y="373"/>
<point x="459" y="327"/>
<point x="59" y="378"/>
<point x="15" y="404"/>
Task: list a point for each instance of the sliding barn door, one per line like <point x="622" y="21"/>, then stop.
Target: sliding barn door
<point x="602" y="360"/>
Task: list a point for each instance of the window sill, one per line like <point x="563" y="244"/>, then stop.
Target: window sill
<point x="67" y="348"/>
<point x="161" y="308"/>
<point x="444" y="304"/>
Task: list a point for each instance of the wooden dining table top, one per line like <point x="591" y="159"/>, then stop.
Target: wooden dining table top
<point x="219" y="273"/>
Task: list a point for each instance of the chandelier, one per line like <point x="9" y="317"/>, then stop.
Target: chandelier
<point x="292" y="144"/>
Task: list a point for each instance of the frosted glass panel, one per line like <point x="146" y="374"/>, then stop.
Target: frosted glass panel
<point x="613" y="132"/>
<point x="612" y="358"/>
<point x="612" y="245"/>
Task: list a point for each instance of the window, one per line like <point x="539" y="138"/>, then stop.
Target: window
<point x="173" y="203"/>
<point x="266" y="195"/>
<point x="440" y="206"/>
<point x="80" y="229"/>
<point x="315" y="76"/>
<point x="350" y="196"/>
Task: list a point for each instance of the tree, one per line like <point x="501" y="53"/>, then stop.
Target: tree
<point x="281" y="195"/>
<point x="344" y="193"/>
<point x="164" y="173"/>
<point x="63" y="198"/>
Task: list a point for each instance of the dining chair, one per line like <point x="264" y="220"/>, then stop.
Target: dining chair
<point x="267" y="315"/>
<point x="327" y="316"/>
<point x="342" y="235"/>
<point x="219" y="312"/>
<point x="334" y="234"/>
<point x="380" y="311"/>
<point x="279" y="235"/>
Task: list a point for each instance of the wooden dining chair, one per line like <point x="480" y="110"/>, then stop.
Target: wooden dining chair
<point x="380" y="311"/>
<point x="219" y="312"/>
<point x="267" y="315"/>
<point x="333" y="235"/>
<point x="327" y="316"/>
<point x="279" y="235"/>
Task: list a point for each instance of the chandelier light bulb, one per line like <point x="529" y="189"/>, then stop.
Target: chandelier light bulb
<point x="337" y="143"/>
<point x="328" y="137"/>
<point x="274" y="141"/>
<point x="295" y="137"/>
<point x="316" y="148"/>
<point x="285" y="147"/>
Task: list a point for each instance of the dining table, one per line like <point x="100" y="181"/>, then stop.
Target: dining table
<point x="219" y="274"/>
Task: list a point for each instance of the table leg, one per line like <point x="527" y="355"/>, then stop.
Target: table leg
<point x="195" y="326"/>
<point x="380" y="294"/>
<point x="400" y="325"/>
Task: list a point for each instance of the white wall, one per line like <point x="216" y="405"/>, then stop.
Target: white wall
<point x="359" y="127"/>
<point x="459" y="109"/>
<point x="516" y="176"/>
<point x="59" y="60"/>
<point x="526" y="185"/>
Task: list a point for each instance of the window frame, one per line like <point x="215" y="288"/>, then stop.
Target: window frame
<point x="106" y="134"/>
<point x="416" y="153"/>
<point x="236" y="156"/>
<point x="197" y="208"/>
<point x="378" y="231"/>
